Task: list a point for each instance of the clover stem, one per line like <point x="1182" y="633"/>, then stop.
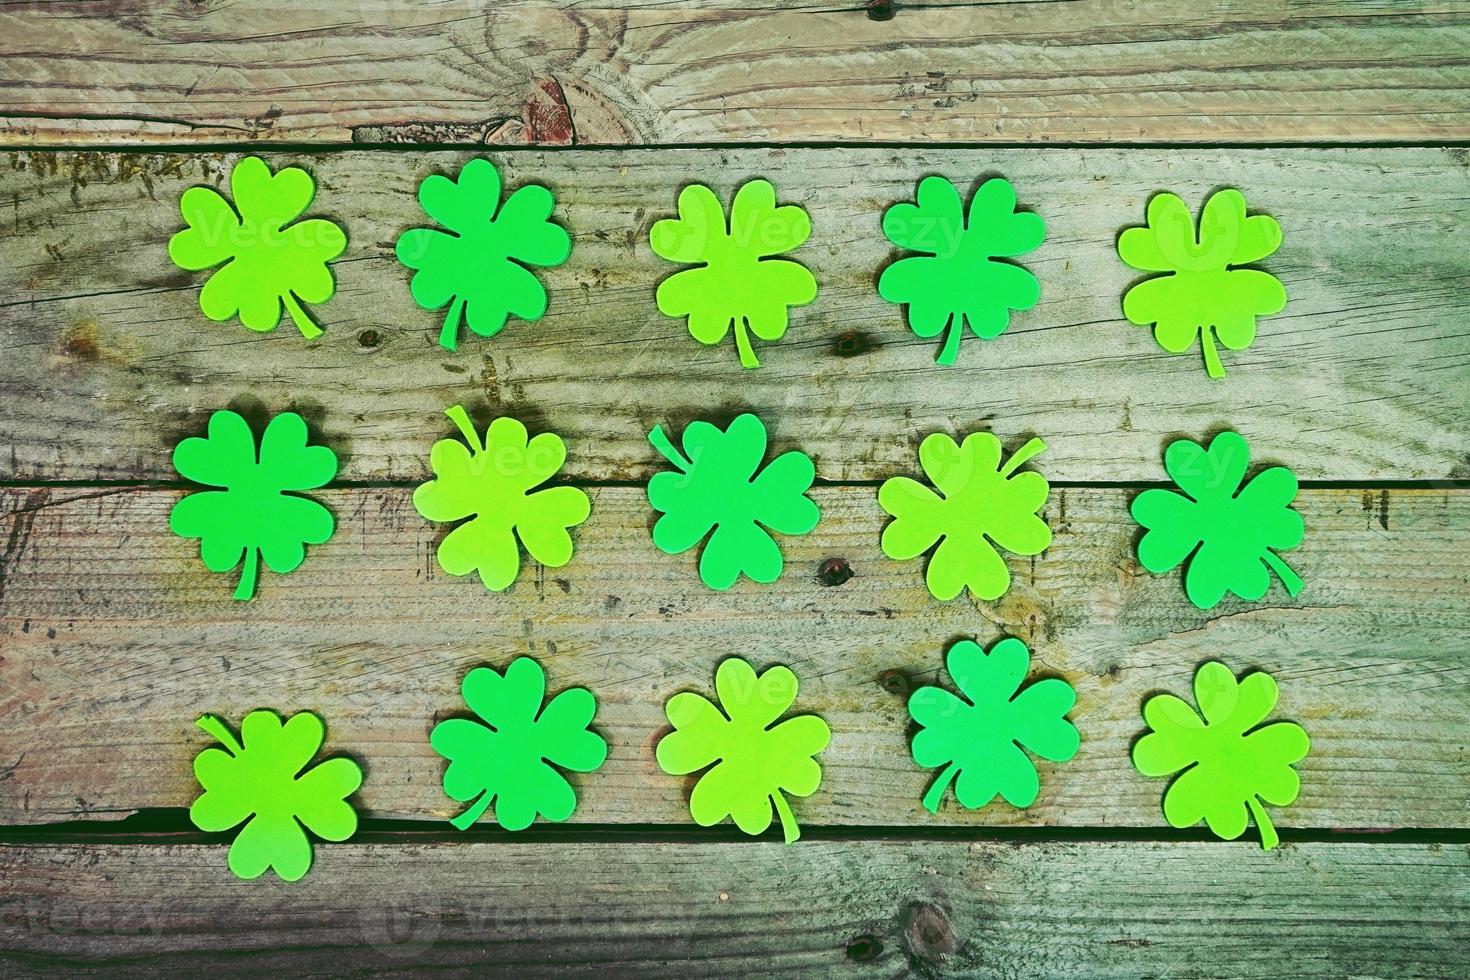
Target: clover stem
<point x="666" y="448"/>
<point x="303" y="321"/>
<point x="1263" y="823"/>
<point x="248" y="574"/>
<point x="467" y="819"/>
<point x="951" y="349"/>
<point x="221" y="733"/>
<point x="1212" y="356"/>
<point x="1021" y="456"/>
<point x="935" y="795"/>
<point x="742" y="344"/>
<point x="788" y="822"/>
<point x="449" y="334"/>
<point x="1289" y="578"/>
<point x="461" y="419"/>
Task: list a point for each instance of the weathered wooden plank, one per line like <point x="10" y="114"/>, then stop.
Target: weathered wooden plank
<point x="732" y="71"/>
<point x="821" y="908"/>
<point x="115" y="639"/>
<point x="108" y="361"/>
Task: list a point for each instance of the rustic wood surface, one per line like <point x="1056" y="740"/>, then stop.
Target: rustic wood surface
<point x="116" y="639"/>
<point x="821" y="908"/>
<point x="1365" y="376"/>
<point x="730" y="71"/>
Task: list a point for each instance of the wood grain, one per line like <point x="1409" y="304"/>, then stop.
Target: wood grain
<point x="820" y="908"/>
<point x="731" y="71"/>
<point x="115" y="639"/>
<point x="1366" y="376"/>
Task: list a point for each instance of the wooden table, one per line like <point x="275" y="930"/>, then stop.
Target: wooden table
<point x="1348" y="121"/>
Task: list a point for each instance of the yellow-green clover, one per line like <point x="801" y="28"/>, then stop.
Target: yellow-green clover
<point x="491" y="483"/>
<point x="963" y="279"/>
<point x="512" y="753"/>
<point x="977" y="506"/>
<point x="1204" y="293"/>
<point x="268" y="261"/>
<point x="737" y="283"/>
<point x="750" y="760"/>
<point x="480" y="265"/>
<point x="258" y="778"/>
<point x="981" y="736"/>
<point x="1230" y="766"/>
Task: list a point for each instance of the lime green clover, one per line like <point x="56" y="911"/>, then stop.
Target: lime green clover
<point x="716" y="486"/>
<point x="269" y="261"/>
<point x="1232" y="536"/>
<point x="980" y="741"/>
<point x="1204" y="293"/>
<point x="980" y="506"/>
<point x="753" y="762"/>
<point x="480" y="265"/>
<point x="737" y="284"/>
<point x="961" y="279"/>
<point x="1230" y="766"/>
<point x="511" y="757"/>
<point x="254" y="516"/>
<point x="259" y="778"/>
<point x="491" y="483"/>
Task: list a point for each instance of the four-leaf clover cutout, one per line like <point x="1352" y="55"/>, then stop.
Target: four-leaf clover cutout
<point x="268" y="261"/>
<point x="751" y="761"/>
<point x="259" y="778"/>
<point x="737" y="283"/>
<point x="716" y="486"/>
<point x="981" y="738"/>
<point x="980" y="506"/>
<point x="1204" y="293"/>
<point x="255" y="516"/>
<point x="492" y="484"/>
<point x="510" y="756"/>
<point x="1230" y="766"/>
<point x="962" y="279"/>
<point x="1232" y="534"/>
<point x="480" y="265"/>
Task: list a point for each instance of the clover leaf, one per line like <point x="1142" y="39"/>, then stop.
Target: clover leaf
<point x="480" y="265"/>
<point x="961" y="281"/>
<point x="717" y="487"/>
<point x="981" y="738"/>
<point x="511" y="758"/>
<point x="738" y="283"/>
<point x="269" y="262"/>
<point x="259" y="778"/>
<point x="1230" y="766"/>
<point x="753" y="760"/>
<point x="980" y="506"/>
<point x="491" y="483"/>
<point x="254" y="516"/>
<point x="1204" y="294"/>
<point x="1232" y="536"/>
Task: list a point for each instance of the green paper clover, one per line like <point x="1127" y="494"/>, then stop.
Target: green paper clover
<point x="753" y="762"/>
<point x="259" y="778"/>
<point x="479" y="266"/>
<point x="717" y="487"/>
<point x="269" y="261"/>
<point x="255" y="516"/>
<point x="1229" y="769"/>
<point x="981" y="506"/>
<point x="1204" y="294"/>
<point x="491" y="483"/>
<point x="1236" y="535"/>
<point x="961" y="280"/>
<point x="738" y="284"/>
<point x="980" y="741"/>
<point x="511" y="757"/>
